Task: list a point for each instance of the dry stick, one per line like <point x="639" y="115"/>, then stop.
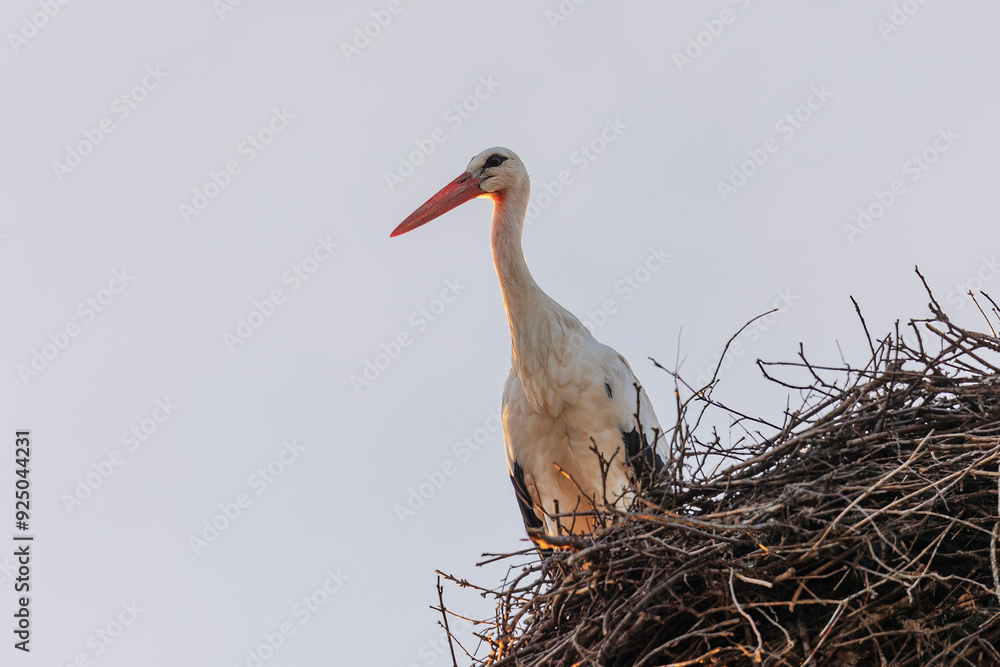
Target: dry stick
<point x="729" y="342"/>
<point x="795" y="441"/>
<point x="867" y="493"/>
<point x="951" y="478"/>
<point x="993" y="546"/>
<point x="694" y="661"/>
<point x="789" y="642"/>
<point x="988" y="323"/>
<point x="756" y="582"/>
<point x="706" y="396"/>
<point x="463" y="583"/>
<point x="444" y="614"/>
<point x="934" y="305"/>
<point x="996" y="308"/>
<point x="961" y="350"/>
<point x="874" y="363"/>
<point x="612" y="638"/>
<point x="760" y="640"/>
<point x="950" y="648"/>
<point x="706" y="632"/>
<point x="825" y="633"/>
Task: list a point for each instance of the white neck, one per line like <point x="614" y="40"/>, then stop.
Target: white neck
<point x="521" y="294"/>
<point x="539" y="327"/>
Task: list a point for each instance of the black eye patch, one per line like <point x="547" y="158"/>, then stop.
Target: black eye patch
<point x="494" y="161"/>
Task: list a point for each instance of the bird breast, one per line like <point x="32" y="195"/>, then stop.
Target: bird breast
<point x="561" y="470"/>
<point x="549" y="358"/>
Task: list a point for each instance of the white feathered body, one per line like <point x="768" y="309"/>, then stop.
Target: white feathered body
<point x="567" y="394"/>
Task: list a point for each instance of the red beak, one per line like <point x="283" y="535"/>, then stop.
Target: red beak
<point x="456" y="193"/>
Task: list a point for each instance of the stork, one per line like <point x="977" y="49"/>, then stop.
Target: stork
<point x="567" y="394"/>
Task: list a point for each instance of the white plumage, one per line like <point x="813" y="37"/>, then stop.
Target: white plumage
<point x="566" y="393"/>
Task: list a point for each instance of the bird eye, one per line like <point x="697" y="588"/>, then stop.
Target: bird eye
<point x="494" y="161"/>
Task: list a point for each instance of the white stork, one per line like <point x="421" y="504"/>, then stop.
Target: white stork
<point x="566" y="392"/>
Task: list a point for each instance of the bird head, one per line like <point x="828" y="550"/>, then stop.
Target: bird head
<point x="489" y="174"/>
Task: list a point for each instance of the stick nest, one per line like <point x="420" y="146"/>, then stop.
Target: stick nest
<point x="862" y="532"/>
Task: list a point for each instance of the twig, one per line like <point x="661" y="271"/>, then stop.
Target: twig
<point x="753" y="626"/>
<point x="444" y="615"/>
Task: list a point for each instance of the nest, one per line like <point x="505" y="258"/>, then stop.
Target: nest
<point x="864" y="532"/>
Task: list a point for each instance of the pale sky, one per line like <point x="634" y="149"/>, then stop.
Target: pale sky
<point x="259" y="425"/>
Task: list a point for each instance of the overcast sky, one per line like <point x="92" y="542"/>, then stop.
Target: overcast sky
<point x="259" y="425"/>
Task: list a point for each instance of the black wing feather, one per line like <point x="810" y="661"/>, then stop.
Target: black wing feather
<point x="641" y="457"/>
<point x="531" y="519"/>
<point x="639" y="454"/>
